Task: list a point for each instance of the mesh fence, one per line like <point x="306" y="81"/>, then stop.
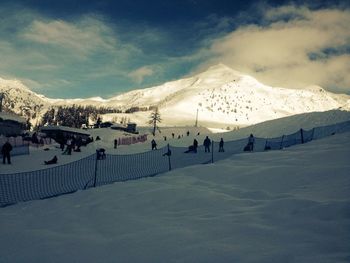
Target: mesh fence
<point x="91" y="171"/>
<point x="47" y="182"/>
<point x="116" y="168"/>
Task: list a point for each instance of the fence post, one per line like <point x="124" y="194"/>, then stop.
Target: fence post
<point x="281" y="145"/>
<point x="212" y="151"/>
<point x="95" y="178"/>
<point x="169" y="153"/>
<point x="302" y="136"/>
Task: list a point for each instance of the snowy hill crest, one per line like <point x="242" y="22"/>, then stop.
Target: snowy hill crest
<point x="220" y="94"/>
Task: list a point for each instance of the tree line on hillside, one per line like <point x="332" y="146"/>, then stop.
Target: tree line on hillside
<point x="74" y="116"/>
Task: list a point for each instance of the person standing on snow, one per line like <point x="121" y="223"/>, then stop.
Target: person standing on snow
<point x="251" y="141"/>
<point x="154" y="145"/>
<point x="207" y="144"/>
<point x="5" y="150"/>
<point x="221" y="145"/>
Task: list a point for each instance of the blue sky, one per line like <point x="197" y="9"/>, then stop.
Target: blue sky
<point x="81" y="48"/>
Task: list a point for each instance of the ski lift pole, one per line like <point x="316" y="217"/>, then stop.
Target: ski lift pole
<point x="281" y="145"/>
<point x="302" y="135"/>
<point x="96" y="160"/>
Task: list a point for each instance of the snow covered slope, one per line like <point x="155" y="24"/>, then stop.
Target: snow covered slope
<point x="268" y="129"/>
<point x="278" y="206"/>
<point x="221" y="95"/>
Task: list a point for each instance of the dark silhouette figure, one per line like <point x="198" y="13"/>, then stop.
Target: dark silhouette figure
<point x="221" y="145"/>
<point x="5" y="150"/>
<point x="154" y="145"/>
<point x="62" y="145"/>
<point x="250" y="145"/>
<point x="35" y="138"/>
<point x="188" y="133"/>
<point x="69" y="147"/>
<point x="173" y="135"/>
<point x="207" y="144"/>
<point x="193" y="147"/>
<point x="115" y="143"/>
<point x="52" y="161"/>
<point x="78" y="144"/>
<point x="101" y="154"/>
<point x="97" y="138"/>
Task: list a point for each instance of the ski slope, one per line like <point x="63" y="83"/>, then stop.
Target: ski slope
<point x="279" y="206"/>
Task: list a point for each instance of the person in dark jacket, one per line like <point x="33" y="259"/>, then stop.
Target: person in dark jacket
<point x="154" y="145"/>
<point x="5" y="151"/>
<point x="251" y="141"/>
<point x="195" y="145"/>
<point x="221" y="145"/>
<point x="115" y="143"/>
<point x="207" y="144"/>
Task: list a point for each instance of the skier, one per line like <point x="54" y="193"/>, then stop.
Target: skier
<point x="207" y="144"/>
<point x="101" y="153"/>
<point x="5" y="150"/>
<point x="154" y="144"/>
<point x="115" y="143"/>
<point x="69" y="147"/>
<point x="251" y="141"/>
<point x="221" y="145"/>
<point x="195" y="145"/>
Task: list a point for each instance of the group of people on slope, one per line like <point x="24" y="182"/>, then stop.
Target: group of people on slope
<point x="207" y="143"/>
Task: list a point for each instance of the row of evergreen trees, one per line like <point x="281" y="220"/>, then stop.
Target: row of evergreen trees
<point x="74" y="116"/>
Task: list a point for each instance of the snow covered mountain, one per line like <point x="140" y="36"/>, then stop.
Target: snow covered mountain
<point x="20" y="99"/>
<point x="220" y="95"/>
<point x="223" y="95"/>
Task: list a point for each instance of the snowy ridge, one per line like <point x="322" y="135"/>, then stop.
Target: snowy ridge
<point x="221" y="95"/>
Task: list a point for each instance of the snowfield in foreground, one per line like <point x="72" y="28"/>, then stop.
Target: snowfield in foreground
<point x="280" y="206"/>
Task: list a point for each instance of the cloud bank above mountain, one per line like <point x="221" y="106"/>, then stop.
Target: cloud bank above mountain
<point x="95" y="53"/>
<point x="292" y="47"/>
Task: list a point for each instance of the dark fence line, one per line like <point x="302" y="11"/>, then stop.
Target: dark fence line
<point x="93" y="171"/>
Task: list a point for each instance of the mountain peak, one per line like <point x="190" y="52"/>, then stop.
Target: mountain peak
<point x="219" y="66"/>
<point x="220" y="69"/>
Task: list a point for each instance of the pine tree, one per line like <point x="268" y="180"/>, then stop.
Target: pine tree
<point x="154" y="119"/>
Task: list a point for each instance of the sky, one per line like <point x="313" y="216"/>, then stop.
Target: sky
<point x="85" y="48"/>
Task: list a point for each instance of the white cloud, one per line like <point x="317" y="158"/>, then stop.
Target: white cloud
<point x="280" y="52"/>
<point x="139" y="74"/>
<point x="83" y="37"/>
